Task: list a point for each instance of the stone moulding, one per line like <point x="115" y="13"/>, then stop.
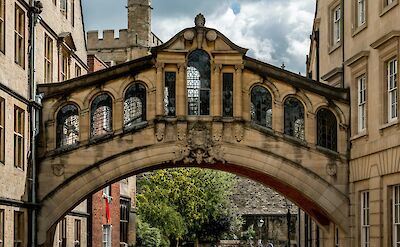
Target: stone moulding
<point x="199" y="146"/>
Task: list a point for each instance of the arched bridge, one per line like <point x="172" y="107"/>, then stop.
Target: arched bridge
<point x="197" y="100"/>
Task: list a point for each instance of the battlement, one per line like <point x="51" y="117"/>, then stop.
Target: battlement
<point x="109" y="40"/>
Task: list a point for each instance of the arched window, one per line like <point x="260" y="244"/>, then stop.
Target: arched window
<point x="101" y="113"/>
<point x="198" y="83"/>
<point x="294" y="118"/>
<point x="67" y="126"/>
<point x="261" y="106"/>
<point x="135" y="105"/>
<point x="326" y="129"/>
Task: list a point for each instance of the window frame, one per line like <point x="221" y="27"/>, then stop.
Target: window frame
<point x="361" y="17"/>
<point x="107" y="235"/>
<point x="78" y="70"/>
<point x="170" y="88"/>
<point x="107" y="102"/>
<point x="227" y="93"/>
<point x="333" y="132"/>
<point x="64" y="8"/>
<point x="62" y="233"/>
<point x="64" y="64"/>
<point x="139" y="91"/>
<point x="362" y="103"/>
<point x="364" y="219"/>
<point x="62" y="117"/>
<point x="48" y="58"/>
<point x="19" y="35"/>
<point x="124" y="219"/>
<point x="200" y="90"/>
<point x="77" y="232"/>
<point x="19" y="134"/>
<point x="392" y="92"/>
<point x="288" y="128"/>
<point x="19" y="229"/>
<point x="395" y="207"/>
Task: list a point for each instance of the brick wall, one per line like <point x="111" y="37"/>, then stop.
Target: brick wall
<point x="95" y="63"/>
<point x="99" y="216"/>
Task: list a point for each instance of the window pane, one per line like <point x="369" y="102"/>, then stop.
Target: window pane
<point x="227" y="95"/>
<point x="261" y="106"/>
<point x="101" y="112"/>
<point x="135" y="105"/>
<point x="326" y="129"/>
<point x="198" y="77"/>
<point x="169" y="94"/>
<point x="294" y="118"/>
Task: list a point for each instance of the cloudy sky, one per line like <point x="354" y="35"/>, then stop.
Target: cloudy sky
<point x="275" y="31"/>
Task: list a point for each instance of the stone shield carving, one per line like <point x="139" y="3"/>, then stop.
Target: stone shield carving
<point x="199" y="147"/>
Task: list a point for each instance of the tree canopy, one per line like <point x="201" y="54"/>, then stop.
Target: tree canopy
<point x="186" y="203"/>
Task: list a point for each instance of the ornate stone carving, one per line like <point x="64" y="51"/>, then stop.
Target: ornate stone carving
<point x="199" y="147"/>
<point x="58" y="169"/>
<point x="211" y="35"/>
<point x="200" y="21"/>
<point x="160" y="131"/>
<point x="239" y="132"/>
<point x="189" y="35"/>
<point x="331" y="169"/>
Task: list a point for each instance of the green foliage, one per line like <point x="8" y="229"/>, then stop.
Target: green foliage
<point x="147" y="236"/>
<point x="187" y="203"/>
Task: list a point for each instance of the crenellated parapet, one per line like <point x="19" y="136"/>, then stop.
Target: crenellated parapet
<point x="109" y="39"/>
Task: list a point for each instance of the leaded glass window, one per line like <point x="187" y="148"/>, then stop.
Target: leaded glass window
<point x="326" y="129"/>
<point x="169" y="94"/>
<point x="227" y="101"/>
<point x="294" y="118"/>
<point x="67" y="126"/>
<point x="135" y="105"/>
<point x="198" y="83"/>
<point x="101" y="113"/>
<point x="261" y="106"/>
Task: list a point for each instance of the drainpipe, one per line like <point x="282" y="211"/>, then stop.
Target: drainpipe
<point x="343" y="40"/>
<point x="34" y="11"/>
<point x="317" y="53"/>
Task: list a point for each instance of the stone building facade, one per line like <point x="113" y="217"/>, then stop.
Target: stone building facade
<point x="355" y="44"/>
<point x="128" y="44"/>
<point x="58" y="39"/>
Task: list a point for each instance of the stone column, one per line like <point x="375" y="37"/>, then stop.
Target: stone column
<point x="181" y="104"/>
<point x="159" y="90"/>
<point x="237" y="91"/>
<point x="118" y="114"/>
<point x="216" y="91"/>
<point x="84" y="125"/>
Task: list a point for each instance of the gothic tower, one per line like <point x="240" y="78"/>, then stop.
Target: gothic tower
<point x="139" y="22"/>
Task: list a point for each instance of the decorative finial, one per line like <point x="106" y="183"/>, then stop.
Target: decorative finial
<point x="200" y="21"/>
<point x="283" y="66"/>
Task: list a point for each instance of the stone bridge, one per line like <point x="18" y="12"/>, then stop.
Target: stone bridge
<point x="196" y="100"/>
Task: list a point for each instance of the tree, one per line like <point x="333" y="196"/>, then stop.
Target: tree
<point x="187" y="203"/>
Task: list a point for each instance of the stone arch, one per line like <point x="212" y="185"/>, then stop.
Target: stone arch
<point x="334" y="109"/>
<point x="300" y="95"/>
<point x="146" y="98"/>
<point x="315" y="195"/>
<point x="51" y="115"/>
<point x="88" y="99"/>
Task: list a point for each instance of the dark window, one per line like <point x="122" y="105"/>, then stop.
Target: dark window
<point x="19" y="137"/>
<point x="169" y="94"/>
<point x="326" y="129"/>
<point x="198" y="83"/>
<point x="19" y="36"/>
<point x="307" y="231"/>
<point x="124" y="221"/>
<point x="261" y="106"/>
<point x="294" y="118"/>
<point x="101" y="113"/>
<point x="135" y="105"/>
<point x="227" y="101"/>
<point x="19" y="229"/>
<point x="2" y="25"/>
<point x="2" y="132"/>
<point x="67" y="126"/>
<point x="62" y="233"/>
<point x="77" y="230"/>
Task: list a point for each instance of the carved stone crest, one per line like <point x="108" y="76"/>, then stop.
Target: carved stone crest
<point x="58" y="169"/>
<point x="200" y="21"/>
<point x="160" y="131"/>
<point x="199" y="147"/>
<point x="239" y="132"/>
<point x="331" y="169"/>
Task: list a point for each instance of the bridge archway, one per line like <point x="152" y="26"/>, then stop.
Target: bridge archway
<point x="314" y="195"/>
